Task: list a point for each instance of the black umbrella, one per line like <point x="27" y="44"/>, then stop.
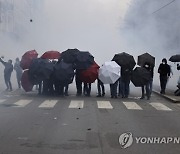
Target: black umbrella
<point x="69" y="56"/>
<point x="175" y="58"/>
<point x="125" y="60"/>
<point x="64" y="72"/>
<point x="146" y="58"/>
<point x="40" y="69"/>
<point x="84" y="60"/>
<point x="140" y="76"/>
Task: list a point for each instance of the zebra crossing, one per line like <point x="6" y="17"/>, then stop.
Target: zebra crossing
<point x="79" y="104"/>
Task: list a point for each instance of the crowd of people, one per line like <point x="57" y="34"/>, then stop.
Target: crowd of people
<point x="119" y="88"/>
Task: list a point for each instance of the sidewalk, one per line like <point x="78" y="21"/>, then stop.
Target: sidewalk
<point x="169" y="94"/>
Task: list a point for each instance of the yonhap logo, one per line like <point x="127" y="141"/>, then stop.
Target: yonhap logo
<point x="126" y="140"/>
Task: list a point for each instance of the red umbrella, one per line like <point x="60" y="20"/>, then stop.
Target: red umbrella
<point x="91" y="74"/>
<point x="51" y="55"/>
<point x="26" y="84"/>
<point x="27" y="58"/>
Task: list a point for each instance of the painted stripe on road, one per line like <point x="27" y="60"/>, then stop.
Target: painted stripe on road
<point x="48" y="104"/>
<point x="160" y="106"/>
<point x="22" y="103"/>
<point x="2" y="100"/>
<point x="132" y="106"/>
<point x="76" y="104"/>
<point x="104" y="105"/>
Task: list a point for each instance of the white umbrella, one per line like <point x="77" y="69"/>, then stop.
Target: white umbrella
<point x="109" y="72"/>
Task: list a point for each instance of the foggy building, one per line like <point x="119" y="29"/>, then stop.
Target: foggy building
<point x="15" y="15"/>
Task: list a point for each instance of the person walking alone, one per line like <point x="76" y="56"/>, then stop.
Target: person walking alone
<point x="164" y="71"/>
<point x="19" y="72"/>
<point x="8" y="68"/>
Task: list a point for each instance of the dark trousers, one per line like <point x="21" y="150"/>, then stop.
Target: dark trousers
<point x="87" y="89"/>
<point x="163" y="83"/>
<point x="18" y="76"/>
<point x="7" y="79"/>
<point x="100" y="86"/>
<point x="113" y="89"/>
<point x="79" y="86"/>
<point x="125" y="88"/>
<point x="119" y="87"/>
<point x="148" y="90"/>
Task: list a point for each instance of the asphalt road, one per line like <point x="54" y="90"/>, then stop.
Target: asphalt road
<point x="32" y="124"/>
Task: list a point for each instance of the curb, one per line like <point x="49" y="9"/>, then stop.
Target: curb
<point x="169" y="97"/>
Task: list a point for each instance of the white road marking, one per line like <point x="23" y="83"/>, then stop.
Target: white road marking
<point x="2" y="100"/>
<point x="76" y="104"/>
<point x="48" y="104"/>
<point x="132" y="106"/>
<point x="160" y="106"/>
<point x="22" y="103"/>
<point x="104" y="105"/>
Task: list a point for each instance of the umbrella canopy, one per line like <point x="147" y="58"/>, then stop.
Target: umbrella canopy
<point x="25" y="82"/>
<point x="64" y="72"/>
<point x="84" y="60"/>
<point x="175" y="58"/>
<point x="27" y="59"/>
<point x="51" y="55"/>
<point x="109" y="72"/>
<point x="40" y="69"/>
<point x="91" y="74"/>
<point x="69" y="56"/>
<point x="140" y="76"/>
<point x="125" y="60"/>
<point x="146" y="58"/>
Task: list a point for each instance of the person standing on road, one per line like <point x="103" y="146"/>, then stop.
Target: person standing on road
<point x="19" y="72"/>
<point x="113" y="89"/>
<point x="78" y="83"/>
<point x="125" y="81"/>
<point x="100" y="87"/>
<point x="164" y="70"/>
<point x="87" y="89"/>
<point x="7" y="73"/>
<point x="148" y="85"/>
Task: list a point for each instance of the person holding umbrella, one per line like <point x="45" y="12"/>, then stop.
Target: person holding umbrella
<point x="87" y="89"/>
<point x="164" y="72"/>
<point x="101" y="89"/>
<point x="148" y="85"/>
<point x="125" y="81"/>
<point x="113" y="89"/>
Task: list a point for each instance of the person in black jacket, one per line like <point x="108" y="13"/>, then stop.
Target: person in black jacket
<point x="7" y="73"/>
<point x="164" y="71"/>
<point x="148" y="85"/>
<point x="125" y="81"/>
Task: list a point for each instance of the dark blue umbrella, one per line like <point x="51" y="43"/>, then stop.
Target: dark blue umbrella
<point x="140" y="76"/>
<point x="40" y="69"/>
<point x="124" y="60"/>
<point x="69" y="56"/>
<point x="84" y="60"/>
<point x="175" y="58"/>
<point x="64" y="72"/>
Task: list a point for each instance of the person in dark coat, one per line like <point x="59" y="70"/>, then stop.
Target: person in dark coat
<point x="101" y="89"/>
<point x="19" y="72"/>
<point x="148" y="85"/>
<point x="125" y="81"/>
<point x="113" y="89"/>
<point x="7" y="73"/>
<point x="164" y="71"/>
<point x="78" y="83"/>
<point x="87" y="89"/>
